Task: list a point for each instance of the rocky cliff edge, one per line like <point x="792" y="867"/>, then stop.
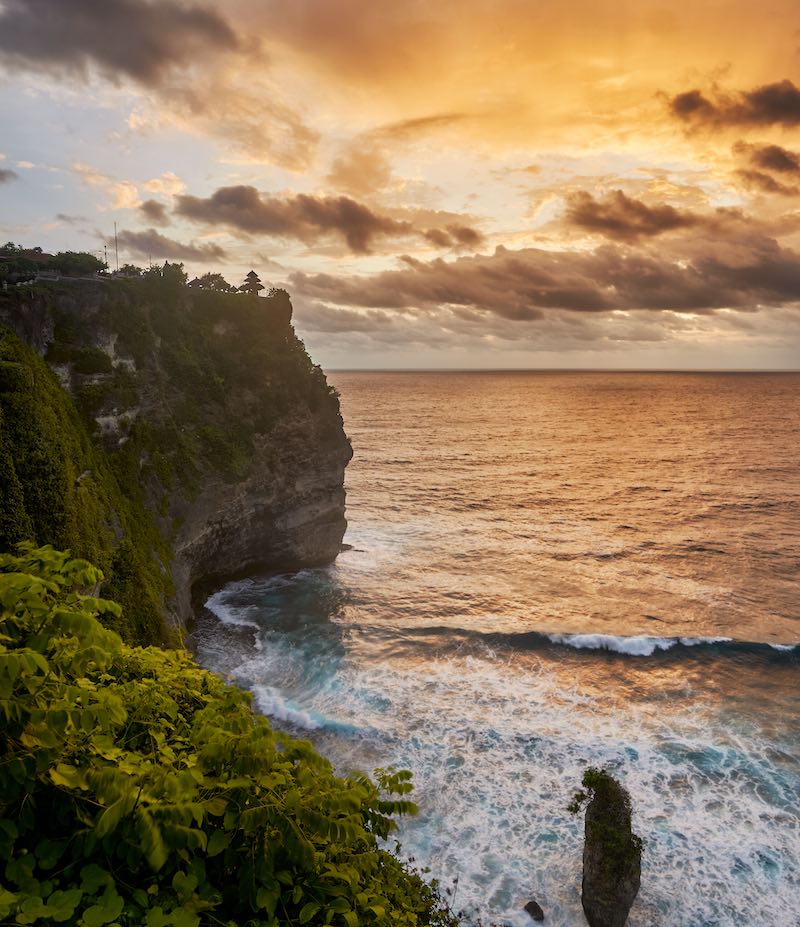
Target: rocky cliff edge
<point x="211" y="415"/>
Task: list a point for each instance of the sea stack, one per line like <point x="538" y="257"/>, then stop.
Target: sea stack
<point x="612" y="853"/>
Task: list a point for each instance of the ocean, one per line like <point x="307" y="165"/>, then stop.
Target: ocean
<point x="547" y="571"/>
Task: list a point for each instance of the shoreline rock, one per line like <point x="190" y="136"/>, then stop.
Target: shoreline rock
<point x="534" y="910"/>
<point x="612" y="853"/>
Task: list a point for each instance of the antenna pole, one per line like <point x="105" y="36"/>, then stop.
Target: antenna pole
<point x="116" y="247"/>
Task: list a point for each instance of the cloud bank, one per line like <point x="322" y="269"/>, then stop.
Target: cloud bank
<point x="135" y="38"/>
<point x="768" y="105"/>
<point x="152" y="244"/>
<point x="307" y="218"/>
<point x="525" y="284"/>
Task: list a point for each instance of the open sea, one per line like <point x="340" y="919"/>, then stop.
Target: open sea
<point x="548" y="571"/>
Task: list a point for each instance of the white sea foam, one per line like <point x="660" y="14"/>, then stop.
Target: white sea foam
<point x="498" y="747"/>
<point x="637" y="646"/>
<point x="272" y="704"/>
<point x="640" y="646"/>
<point x="498" y="743"/>
<point x="490" y="535"/>
<point x="219" y="604"/>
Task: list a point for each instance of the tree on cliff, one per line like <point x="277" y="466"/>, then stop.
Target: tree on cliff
<point x="77" y="263"/>
<point x="214" y="282"/>
<point x="130" y="270"/>
<point x="252" y="284"/>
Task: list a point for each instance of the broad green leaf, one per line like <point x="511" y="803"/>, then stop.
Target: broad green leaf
<point x="94" y="877"/>
<point x="61" y="905"/>
<point x="308" y="911"/>
<point x="180" y="917"/>
<point x="219" y="841"/>
<point x="108" y="909"/>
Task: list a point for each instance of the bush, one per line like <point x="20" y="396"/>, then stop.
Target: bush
<point x="90" y="360"/>
<point x="138" y="789"/>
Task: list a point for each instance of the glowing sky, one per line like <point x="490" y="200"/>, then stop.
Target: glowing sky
<point x="487" y="183"/>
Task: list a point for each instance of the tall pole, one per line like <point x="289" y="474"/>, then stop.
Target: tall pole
<point x="116" y="247"/>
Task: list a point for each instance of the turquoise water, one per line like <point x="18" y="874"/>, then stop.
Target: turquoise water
<point x="548" y="571"/>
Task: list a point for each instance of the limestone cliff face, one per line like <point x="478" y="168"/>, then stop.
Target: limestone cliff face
<point x="288" y="512"/>
<point x="211" y="415"/>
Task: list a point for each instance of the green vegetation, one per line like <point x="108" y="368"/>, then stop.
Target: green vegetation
<point x="138" y="789"/>
<point x="135" y="788"/>
<point x="610" y="828"/>
<point x="19" y="264"/>
<point x="76" y="263"/>
<point x="57" y="486"/>
<point x="218" y="369"/>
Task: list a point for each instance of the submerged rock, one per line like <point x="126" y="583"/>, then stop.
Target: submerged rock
<point x="612" y="853"/>
<point x="534" y="910"/>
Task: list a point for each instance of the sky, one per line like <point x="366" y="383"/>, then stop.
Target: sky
<point x="467" y="183"/>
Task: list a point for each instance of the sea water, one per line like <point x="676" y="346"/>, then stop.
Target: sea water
<point x="548" y="571"/>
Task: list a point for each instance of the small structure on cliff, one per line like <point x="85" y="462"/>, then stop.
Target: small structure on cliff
<point x="612" y="853"/>
<point x="252" y="284"/>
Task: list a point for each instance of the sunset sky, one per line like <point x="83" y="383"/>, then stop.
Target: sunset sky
<point x="513" y="183"/>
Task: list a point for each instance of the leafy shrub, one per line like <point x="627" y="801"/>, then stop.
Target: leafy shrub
<point x="57" y="487"/>
<point x="90" y="360"/>
<point x="138" y="789"/>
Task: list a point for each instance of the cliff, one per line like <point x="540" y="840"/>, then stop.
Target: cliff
<point x="184" y="437"/>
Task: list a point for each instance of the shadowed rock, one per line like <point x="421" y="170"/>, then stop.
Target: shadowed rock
<point x="612" y="853"/>
<point x="535" y="911"/>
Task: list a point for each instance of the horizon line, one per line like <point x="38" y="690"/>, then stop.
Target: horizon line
<point x="687" y="370"/>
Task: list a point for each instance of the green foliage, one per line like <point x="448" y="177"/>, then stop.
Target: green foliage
<point x="131" y="270"/>
<point x="611" y="825"/>
<point x="203" y="379"/>
<point x="57" y="488"/>
<point x="91" y="360"/>
<point x="76" y="263"/>
<point x="138" y="789"/>
<point x="215" y="282"/>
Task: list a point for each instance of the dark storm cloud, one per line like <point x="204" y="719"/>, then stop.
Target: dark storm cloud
<point x="153" y="244"/>
<point x="764" y="163"/>
<point x="623" y="218"/>
<point x="770" y="104"/>
<point x="758" y="180"/>
<point x="139" y="39"/>
<point x="775" y="158"/>
<point x="302" y="216"/>
<point x="154" y="211"/>
<point x="307" y="218"/>
<point x="464" y="235"/>
<point x="453" y="236"/>
<point x="523" y="285"/>
<point x="7" y="175"/>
